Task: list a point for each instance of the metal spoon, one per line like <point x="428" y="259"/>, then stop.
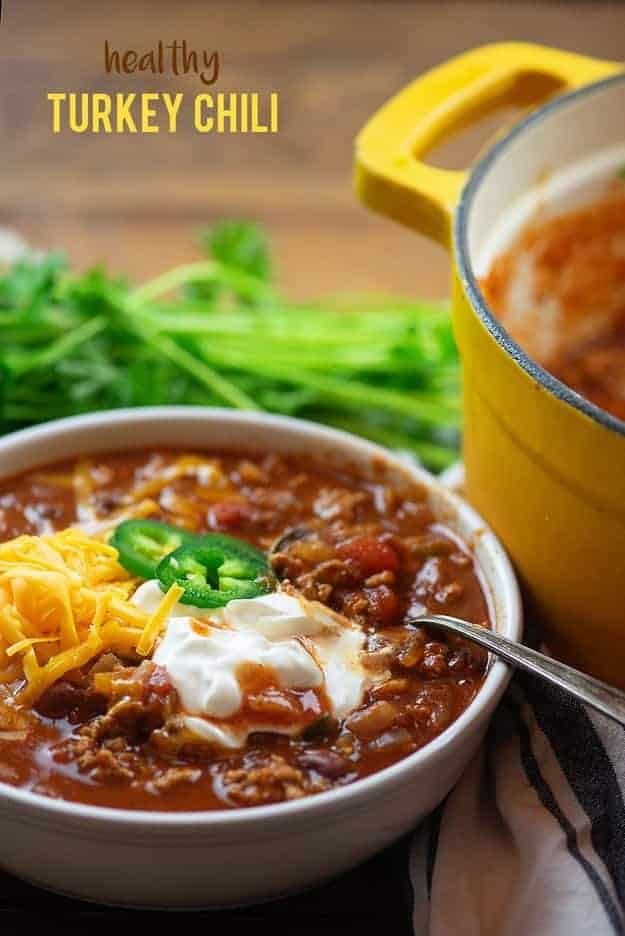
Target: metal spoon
<point x="593" y="692"/>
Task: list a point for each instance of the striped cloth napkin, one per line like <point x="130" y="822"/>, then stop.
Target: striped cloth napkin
<point x="531" y="842"/>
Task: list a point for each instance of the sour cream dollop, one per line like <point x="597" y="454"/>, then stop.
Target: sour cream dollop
<point x="302" y="644"/>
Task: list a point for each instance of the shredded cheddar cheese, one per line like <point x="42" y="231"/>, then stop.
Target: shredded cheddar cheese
<point x="158" y="620"/>
<point x="83" y="489"/>
<point x="185" y="465"/>
<point x="22" y="645"/>
<point x="146" y="497"/>
<point x="64" y="599"/>
<point x="135" y="511"/>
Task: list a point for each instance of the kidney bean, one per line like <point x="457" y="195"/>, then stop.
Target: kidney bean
<point x="327" y="763"/>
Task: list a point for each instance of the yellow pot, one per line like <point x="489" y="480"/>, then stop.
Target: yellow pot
<point x="544" y="467"/>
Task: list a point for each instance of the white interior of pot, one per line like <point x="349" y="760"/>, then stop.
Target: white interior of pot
<point x="561" y="161"/>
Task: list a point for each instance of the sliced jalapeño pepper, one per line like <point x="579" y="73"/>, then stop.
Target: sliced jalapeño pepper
<point x="141" y="544"/>
<point x="215" y="571"/>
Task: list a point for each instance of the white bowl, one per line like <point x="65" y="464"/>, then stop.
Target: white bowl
<point x="228" y="857"/>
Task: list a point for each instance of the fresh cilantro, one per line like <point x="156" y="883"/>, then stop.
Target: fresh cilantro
<point x="217" y="332"/>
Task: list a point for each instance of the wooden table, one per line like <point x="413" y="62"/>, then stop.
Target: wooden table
<point x="134" y="203"/>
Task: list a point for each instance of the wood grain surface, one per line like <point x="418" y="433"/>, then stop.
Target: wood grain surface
<point x="135" y="203"/>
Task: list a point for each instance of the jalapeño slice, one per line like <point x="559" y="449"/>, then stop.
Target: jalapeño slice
<point x="216" y="570"/>
<point x="141" y="544"/>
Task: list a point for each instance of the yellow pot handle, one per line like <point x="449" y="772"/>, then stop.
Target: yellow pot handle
<point x="391" y="178"/>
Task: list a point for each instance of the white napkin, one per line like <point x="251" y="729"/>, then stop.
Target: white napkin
<point x="531" y="842"/>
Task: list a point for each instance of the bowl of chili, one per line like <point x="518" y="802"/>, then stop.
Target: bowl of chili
<point x="87" y="768"/>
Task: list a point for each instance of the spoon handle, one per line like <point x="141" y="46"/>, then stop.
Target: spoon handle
<point x="593" y="692"/>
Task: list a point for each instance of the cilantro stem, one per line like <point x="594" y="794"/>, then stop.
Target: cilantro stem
<point x="219" y="385"/>
<point x="352" y="391"/>
<point x="203" y="271"/>
<point x="21" y="363"/>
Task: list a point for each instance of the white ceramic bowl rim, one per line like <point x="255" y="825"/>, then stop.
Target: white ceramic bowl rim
<point x="470" y="282"/>
<point x="322" y="803"/>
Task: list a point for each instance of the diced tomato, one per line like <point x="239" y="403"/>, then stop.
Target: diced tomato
<point x="228" y="515"/>
<point x="384" y="606"/>
<point x="158" y="682"/>
<point x="369" y="555"/>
